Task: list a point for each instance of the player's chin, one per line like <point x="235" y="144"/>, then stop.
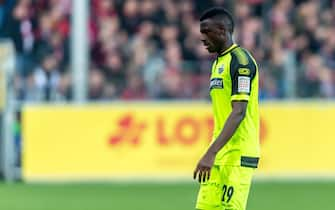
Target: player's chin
<point x="210" y="50"/>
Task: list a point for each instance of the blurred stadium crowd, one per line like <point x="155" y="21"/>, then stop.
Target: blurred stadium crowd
<point x="151" y="49"/>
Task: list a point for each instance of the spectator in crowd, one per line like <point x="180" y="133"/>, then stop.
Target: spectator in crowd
<point x="96" y="84"/>
<point x="46" y="79"/>
<point x="135" y="88"/>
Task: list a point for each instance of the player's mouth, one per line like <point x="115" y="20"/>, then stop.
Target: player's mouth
<point x="208" y="47"/>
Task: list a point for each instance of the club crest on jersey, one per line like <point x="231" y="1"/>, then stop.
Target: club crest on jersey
<point x="220" y="69"/>
<point x="216" y="83"/>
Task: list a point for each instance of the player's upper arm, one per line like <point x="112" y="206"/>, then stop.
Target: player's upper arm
<point x="242" y="72"/>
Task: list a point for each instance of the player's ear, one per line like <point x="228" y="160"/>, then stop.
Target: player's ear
<point x="220" y="31"/>
<point x="221" y="28"/>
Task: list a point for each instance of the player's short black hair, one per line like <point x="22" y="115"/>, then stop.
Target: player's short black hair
<point x="219" y="13"/>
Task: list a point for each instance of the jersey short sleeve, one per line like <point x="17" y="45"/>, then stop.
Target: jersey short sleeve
<point x="242" y="73"/>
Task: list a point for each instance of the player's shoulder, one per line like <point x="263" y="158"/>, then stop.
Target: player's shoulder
<point x="243" y="61"/>
<point x="242" y="56"/>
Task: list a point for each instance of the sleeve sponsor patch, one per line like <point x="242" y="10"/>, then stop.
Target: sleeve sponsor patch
<point x="244" y="71"/>
<point x="243" y="84"/>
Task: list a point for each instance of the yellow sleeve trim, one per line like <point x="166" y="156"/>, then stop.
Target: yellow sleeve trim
<point x="240" y="97"/>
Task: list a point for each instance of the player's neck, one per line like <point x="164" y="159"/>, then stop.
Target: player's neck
<point x="226" y="46"/>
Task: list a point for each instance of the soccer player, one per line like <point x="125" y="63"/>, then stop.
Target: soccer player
<point x="225" y="170"/>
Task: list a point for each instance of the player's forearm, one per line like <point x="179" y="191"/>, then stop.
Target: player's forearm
<point x="234" y="120"/>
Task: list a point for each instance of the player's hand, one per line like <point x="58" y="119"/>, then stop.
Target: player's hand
<point x="203" y="169"/>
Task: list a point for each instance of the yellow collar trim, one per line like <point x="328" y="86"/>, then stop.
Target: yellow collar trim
<point x="230" y="48"/>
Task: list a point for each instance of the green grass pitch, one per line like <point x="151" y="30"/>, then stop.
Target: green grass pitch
<point x="278" y="195"/>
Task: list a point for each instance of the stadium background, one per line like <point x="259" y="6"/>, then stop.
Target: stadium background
<point x="134" y="120"/>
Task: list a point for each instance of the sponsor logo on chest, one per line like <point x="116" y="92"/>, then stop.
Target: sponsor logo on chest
<point x="216" y="83"/>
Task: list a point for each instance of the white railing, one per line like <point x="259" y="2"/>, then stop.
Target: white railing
<point x="7" y="146"/>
